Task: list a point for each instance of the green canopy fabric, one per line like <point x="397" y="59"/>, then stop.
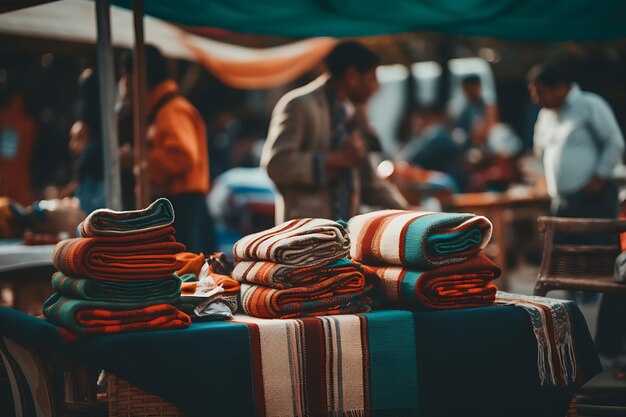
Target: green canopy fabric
<point x="545" y="20"/>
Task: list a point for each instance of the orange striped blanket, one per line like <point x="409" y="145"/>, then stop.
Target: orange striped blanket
<point x="342" y="293"/>
<point x="96" y="317"/>
<point x="149" y="255"/>
<point x="281" y="276"/>
<point x="462" y="285"/>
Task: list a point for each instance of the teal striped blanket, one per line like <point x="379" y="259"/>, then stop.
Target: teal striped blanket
<point x="415" y="239"/>
<point x="106" y="222"/>
<point x="122" y="292"/>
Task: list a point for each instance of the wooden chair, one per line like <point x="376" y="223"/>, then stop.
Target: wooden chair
<point x="583" y="267"/>
<point x="575" y="267"/>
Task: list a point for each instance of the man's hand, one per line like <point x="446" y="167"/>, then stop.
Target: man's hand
<point x="595" y="186"/>
<point x="350" y="153"/>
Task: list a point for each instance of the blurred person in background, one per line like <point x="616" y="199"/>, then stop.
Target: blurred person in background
<point x="580" y="143"/>
<point x="431" y="145"/>
<point x="86" y="146"/>
<point x="17" y="144"/>
<point x="478" y="116"/>
<point x="316" y="152"/>
<point x="224" y="131"/>
<point x="178" y="160"/>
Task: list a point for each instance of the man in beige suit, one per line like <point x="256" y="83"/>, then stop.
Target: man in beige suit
<point x="315" y="150"/>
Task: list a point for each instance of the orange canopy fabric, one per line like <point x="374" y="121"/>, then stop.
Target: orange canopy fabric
<point x="264" y="68"/>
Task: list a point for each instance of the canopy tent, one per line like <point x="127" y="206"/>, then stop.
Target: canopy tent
<point x="237" y="66"/>
<point x="545" y="20"/>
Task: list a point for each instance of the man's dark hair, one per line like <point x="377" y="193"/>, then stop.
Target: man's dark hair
<point x="551" y="75"/>
<point x="471" y="79"/>
<point x="348" y="54"/>
<point x="156" y="65"/>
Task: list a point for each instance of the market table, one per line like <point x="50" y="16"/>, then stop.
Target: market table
<point x="25" y="273"/>
<point x="480" y="361"/>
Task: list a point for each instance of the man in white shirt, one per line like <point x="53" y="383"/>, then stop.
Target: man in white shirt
<point x="580" y="142"/>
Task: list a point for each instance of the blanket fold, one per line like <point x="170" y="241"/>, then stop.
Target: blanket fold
<point x="300" y="242"/>
<point x="98" y="317"/>
<point x="338" y="294"/>
<point x="106" y="222"/>
<point x="456" y="286"/>
<point x="166" y="290"/>
<point x="150" y="255"/>
<point x="416" y="239"/>
<point x="280" y="276"/>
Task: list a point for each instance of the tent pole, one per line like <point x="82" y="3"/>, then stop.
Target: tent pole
<point x="142" y="191"/>
<point x="108" y="118"/>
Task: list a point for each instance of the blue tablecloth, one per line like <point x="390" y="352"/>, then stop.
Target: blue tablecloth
<point x="480" y="361"/>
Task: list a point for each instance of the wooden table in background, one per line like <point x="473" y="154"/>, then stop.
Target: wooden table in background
<point x="501" y="209"/>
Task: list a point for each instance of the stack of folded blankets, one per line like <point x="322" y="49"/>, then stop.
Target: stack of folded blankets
<point x="119" y="275"/>
<point x="426" y="261"/>
<point x="208" y="291"/>
<point x="299" y="268"/>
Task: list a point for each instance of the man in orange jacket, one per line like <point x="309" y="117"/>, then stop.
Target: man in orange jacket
<point x="178" y="160"/>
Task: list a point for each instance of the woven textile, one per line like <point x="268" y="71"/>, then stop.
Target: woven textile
<point x="281" y="276"/>
<point x="299" y="242"/>
<point x="123" y="292"/>
<point x="552" y="326"/>
<point x="106" y="222"/>
<point x="332" y="365"/>
<point x="462" y="285"/>
<point x="414" y="239"/>
<point x="335" y="295"/>
<point x="97" y="317"/>
<point x="473" y="362"/>
<point x="150" y="255"/>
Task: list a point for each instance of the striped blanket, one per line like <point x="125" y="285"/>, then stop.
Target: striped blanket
<point x="97" y="317"/>
<point x="150" y="255"/>
<point x="281" y="276"/>
<point x="447" y="287"/>
<point x="106" y="222"/>
<point x="552" y="326"/>
<point x="159" y="291"/>
<point x="348" y="365"/>
<point x="336" y="295"/>
<point x="299" y="242"/>
<point x="415" y="239"/>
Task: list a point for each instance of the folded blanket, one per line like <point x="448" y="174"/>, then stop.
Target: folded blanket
<point x="299" y="242"/>
<point x="159" y="291"/>
<point x="417" y="239"/>
<point x="106" y="222"/>
<point x="281" y="276"/>
<point x="552" y="326"/>
<point x="337" y="295"/>
<point x="96" y="317"/>
<point x="447" y="287"/>
<point x="150" y="255"/>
